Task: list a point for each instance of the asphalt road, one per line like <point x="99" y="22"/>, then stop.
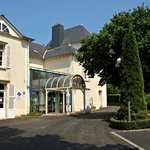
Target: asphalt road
<point x="142" y="138"/>
<point x="85" y="132"/>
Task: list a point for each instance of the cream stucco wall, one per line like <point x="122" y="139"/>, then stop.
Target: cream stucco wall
<point x="59" y="63"/>
<point x="77" y="100"/>
<point x="17" y="74"/>
<point x="96" y="94"/>
<point x="36" y="62"/>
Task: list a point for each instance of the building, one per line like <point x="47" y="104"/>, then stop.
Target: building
<point x="48" y="78"/>
<point x="14" y="71"/>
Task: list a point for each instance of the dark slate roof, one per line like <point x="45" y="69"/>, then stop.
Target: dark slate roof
<point x="73" y="35"/>
<point x="58" y="51"/>
<point x="36" y="50"/>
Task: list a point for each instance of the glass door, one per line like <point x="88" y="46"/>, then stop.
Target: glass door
<point x="52" y="102"/>
<point x="2" y="98"/>
<point x="61" y="103"/>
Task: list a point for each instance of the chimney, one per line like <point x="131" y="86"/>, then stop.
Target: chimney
<point x="57" y="35"/>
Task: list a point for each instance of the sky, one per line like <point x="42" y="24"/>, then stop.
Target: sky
<point x="34" y="18"/>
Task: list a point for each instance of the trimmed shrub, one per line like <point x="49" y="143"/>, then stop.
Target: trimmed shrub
<point x="132" y="84"/>
<point x="122" y="113"/>
<point x="125" y="125"/>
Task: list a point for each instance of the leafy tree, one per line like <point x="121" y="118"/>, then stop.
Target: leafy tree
<point x="111" y="89"/>
<point x="100" y="53"/>
<point x="132" y="84"/>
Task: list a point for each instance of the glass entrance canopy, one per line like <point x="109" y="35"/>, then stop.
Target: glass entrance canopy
<point x="63" y="82"/>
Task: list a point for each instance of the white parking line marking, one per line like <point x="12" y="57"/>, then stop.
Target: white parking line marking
<point x="128" y="141"/>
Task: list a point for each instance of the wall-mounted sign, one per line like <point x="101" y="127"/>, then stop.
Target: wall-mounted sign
<point x="19" y="94"/>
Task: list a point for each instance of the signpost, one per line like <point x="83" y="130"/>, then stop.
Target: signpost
<point x="129" y="111"/>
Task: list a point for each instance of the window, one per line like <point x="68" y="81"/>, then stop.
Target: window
<point x="1" y="54"/>
<point x="2" y="95"/>
<point x="4" y="28"/>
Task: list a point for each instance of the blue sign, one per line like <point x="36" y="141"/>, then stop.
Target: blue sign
<point x="18" y="93"/>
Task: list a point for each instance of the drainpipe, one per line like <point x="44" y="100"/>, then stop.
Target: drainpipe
<point x="84" y="101"/>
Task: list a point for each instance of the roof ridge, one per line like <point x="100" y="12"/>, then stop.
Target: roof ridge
<point x="80" y="25"/>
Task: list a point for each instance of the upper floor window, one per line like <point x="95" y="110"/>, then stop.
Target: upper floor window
<point x="4" y="28"/>
<point x="1" y="54"/>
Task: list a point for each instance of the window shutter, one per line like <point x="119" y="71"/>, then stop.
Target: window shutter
<point x="11" y="96"/>
<point x="8" y="57"/>
<point x="12" y="90"/>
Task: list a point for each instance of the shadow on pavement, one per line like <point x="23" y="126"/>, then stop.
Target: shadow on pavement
<point x="12" y="139"/>
<point x="6" y="133"/>
<point x="96" y="115"/>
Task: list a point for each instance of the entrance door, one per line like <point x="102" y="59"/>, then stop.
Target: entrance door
<point x="55" y="102"/>
<point x="52" y="102"/>
<point x="2" y="99"/>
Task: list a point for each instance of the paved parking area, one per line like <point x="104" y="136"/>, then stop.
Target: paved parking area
<point x="84" y="132"/>
<point x="138" y="137"/>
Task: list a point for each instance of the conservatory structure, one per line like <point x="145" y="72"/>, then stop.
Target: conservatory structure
<point x="59" y="93"/>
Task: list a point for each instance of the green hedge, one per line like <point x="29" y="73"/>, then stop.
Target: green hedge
<point x="113" y="99"/>
<point x="126" y="125"/>
<point x="147" y="99"/>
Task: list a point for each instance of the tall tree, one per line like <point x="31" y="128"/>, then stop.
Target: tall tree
<point x="132" y="84"/>
<point x="100" y="53"/>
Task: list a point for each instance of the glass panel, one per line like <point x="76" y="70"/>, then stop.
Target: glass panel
<point x="1" y="46"/>
<point x="1" y="86"/>
<point x="49" y="83"/>
<point x="1" y="57"/>
<point x="67" y="81"/>
<point x="4" y="28"/>
<point x="34" y="101"/>
<point x="55" y="82"/>
<point x="1" y="99"/>
<point x="78" y="82"/>
<point x="42" y="83"/>
<point x="35" y="84"/>
<point x="61" y="81"/>
<point x="52" y="101"/>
